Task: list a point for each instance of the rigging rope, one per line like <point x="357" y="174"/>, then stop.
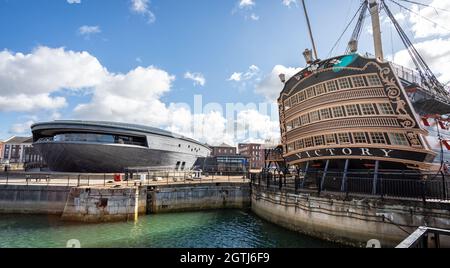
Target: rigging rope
<point x="415" y="13"/>
<point x="346" y="28"/>
<point x="429" y="79"/>
<point x="425" y="5"/>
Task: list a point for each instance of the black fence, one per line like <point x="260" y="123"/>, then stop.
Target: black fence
<point x="388" y="184"/>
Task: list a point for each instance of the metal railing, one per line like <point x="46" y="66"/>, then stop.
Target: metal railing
<point x="394" y="185"/>
<point x="425" y="237"/>
<point x="155" y="177"/>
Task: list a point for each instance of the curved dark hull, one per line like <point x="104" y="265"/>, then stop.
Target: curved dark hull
<point x="107" y="158"/>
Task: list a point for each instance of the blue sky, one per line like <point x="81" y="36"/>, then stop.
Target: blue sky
<point x="141" y="57"/>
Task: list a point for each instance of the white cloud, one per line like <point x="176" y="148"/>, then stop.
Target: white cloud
<point x="252" y="72"/>
<point x="27" y="81"/>
<point x="143" y="7"/>
<point x="271" y="86"/>
<point x="74" y="1"/>
<point x="288" y="3"/>
<point x="423" y="28"/>
<point x="37" y="82"/>
<point x="198" y="78"/>
<point x="21" y="128"/>
<point x="88" y="30"/>
<point x="253" y="16"/>
<point x="246" y="3"/>
<point x="435" y="52"/>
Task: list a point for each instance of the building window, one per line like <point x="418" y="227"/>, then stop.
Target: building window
<point x="304" y="119"/>
<point x="299" y="145"/>
<point x="368" y="109"/>
<point x="309" y="142"/>
<point x="330" y="139"/>
<point x="344" y="138"/>
<point x="318" y="140"/>
<point x="386" y="108"/>
<point x="310" y="92"/>
<point x="352" y="110"/>
<point x="294" y="100"/>
<point x="320" y="89"/>
<point x="338" y="111"/>
<point x="373" y="80"/>
<point x="398" y="139"/>
<point x="344" y="83"/>
<point x="331" y="86"/>
<point x="325" y="114"/>
<point x="378" y="138"/>
<point x="314" y="116"/>
<point x="301" y="96"/>
<point x="359" y="137"/>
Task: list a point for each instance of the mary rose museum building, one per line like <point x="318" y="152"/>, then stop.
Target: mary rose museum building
<point x="108" y="147"/>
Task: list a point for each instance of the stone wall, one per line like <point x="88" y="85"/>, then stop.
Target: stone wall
<point x="87" y="204"/>
<point x="353" y="222"/>
<point x="198" y="197"/>
<point x="22" y="199"/>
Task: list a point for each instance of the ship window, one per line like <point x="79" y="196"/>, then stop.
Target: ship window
<point x="294" y="100"/>
<point x="320" y="89"/>
<point x="343" y="138"/>
<point x="358" y="81"/>
<point x="287" y="104"/>
<point x="398" y="139"/>
<point x="368" y="109"/>
<point x="296" y="123"/>
<point x="378" y="138"/>
<point x="289" y="125"/>
<point x="330" y="139"/>
<point x="344" y="83"/>
<point x="373" y="80"/>
<point x="318" y="140"/>
<point x="386" y="108"/>
<point x="310" y="92"/>
<point x="314" y="116"/>
<point x="304" y="119"/>
<point x="360" y="137"/>
<point x="352" y="110"/>
<point x="177" y="165"/>
<point x="291" y="147"/>
<point x="301" y="96"/>
<point x="309" y="142"/>
<point x="325" y="113"/>
<point x="338" y="111"/>
<point x="299" y="145"/>
<point x="331" y="86"/>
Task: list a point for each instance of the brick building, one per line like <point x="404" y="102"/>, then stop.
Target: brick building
<point x="254" y="152"/>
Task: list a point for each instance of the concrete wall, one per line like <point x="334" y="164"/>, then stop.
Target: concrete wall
<point x="351" y="222"/>
<point x="198" y="197"/>
<point x="33" y="199"/>
<point x="87" y="204"/>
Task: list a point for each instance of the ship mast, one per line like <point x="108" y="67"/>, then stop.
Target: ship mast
<point x="374" y="13"/>
<point x="310" y="30"/>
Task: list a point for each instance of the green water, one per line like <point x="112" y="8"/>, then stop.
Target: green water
<point x="211" y="229"/>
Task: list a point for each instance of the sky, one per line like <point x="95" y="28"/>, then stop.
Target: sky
<point x="204" y="69"/>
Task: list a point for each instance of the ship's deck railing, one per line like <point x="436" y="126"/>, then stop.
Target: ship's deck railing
<point x="386" y="185"/>
<point x="422" y="236"/>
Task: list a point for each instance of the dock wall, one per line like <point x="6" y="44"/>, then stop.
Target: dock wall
<point x="353" y="222"/>
<point x="198" y="197"/>
<point x="22" y="199"/>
